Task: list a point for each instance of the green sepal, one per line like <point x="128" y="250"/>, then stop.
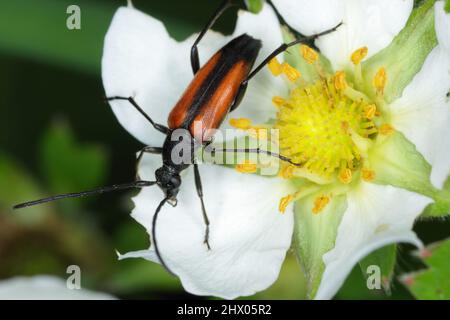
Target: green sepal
<point x="397" y="162"/>
<point x="404" y="57"/>
<point x="385" y="259"/>
<point x="432" y="283"/>
<point x="315" y="234"/>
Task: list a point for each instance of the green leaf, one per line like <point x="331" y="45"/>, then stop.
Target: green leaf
<point x="295" y="59"/>
<point x="315" y="234"/>
<point x="404" y="57"/>
<point x="385" y="259"/>
<point x="447" y="6"/>
<point x="254" y="6"/>
<point x="432" y="283"/>
<point x="134" y="275"/>
<point x="68" y="165"/>
<point x="40" y="33"/>
<point x="397" y="162"/>
<point x="441" y="207"/>
<point x="17" y="186"/>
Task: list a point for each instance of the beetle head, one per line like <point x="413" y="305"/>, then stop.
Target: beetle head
<point x="169" y="181"/>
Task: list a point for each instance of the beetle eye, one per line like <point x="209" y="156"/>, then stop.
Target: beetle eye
<point x="175" y="182"/>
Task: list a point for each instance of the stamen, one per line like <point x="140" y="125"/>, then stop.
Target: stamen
<point x="247" y="167"/>
<point x="320" y="203"/>
<point x="386" y="129"/>
<point x="309" y="54"/>
<point x="287" y="172"/>
<point x="367" y="175"/>
<point x="278" y="101"/>
<point x="380" y="80"/>
<point x="275" y="67"/>
<point x="339" y="80"/>
<point x="359" y="55"/>
<point x="284" y="202"/>
<point x="241" y="123"/>
<point x="292" y="73"/>
<point x="370" y="111"/>
<point x="345" y="176"/>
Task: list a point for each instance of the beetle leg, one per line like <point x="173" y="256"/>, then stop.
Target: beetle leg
<point x="195" y="61"/>
<point x="147" y="149"/>
<point x="198" y="185"/>
<point x="286" y="46"/>
<point x="161" y="128"/>
<point x="283" y="22"/>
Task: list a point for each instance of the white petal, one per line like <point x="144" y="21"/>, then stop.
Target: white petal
<point x="45" y="288"/>
<point x="423" y="113"/>
<point x="371" y="23"/>
<point x="137" y="62"/>
<point x="249" y="237"/>
<point x="376" y="216"/>
<point x="442" y="25"/>
<point x="310" y="17"/>
<point x="140" y="59"/>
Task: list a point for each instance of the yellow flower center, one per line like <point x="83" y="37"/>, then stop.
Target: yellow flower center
<point x="321" y="128"/>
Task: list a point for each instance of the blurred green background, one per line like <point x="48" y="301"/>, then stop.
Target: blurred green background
<point x="57" y="135"/>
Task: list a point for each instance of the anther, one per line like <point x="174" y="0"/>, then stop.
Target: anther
<point x="275" y="67"/>
<point x="247" y="167"/>
<point x="359" y="55"/>
<point x="278" y="101"/>
<point x="368" y="175"/>
<point x="339" y="80"/>
<point x="380" y="80"/>
<point x="241" y="123"/>
<point x="386" y="129"/>
<point x="345" y="175"/>
<point x="320" y="203"/>
<point x="309" y="54"/>
<point x="284" y="202"/>
<point x="370" y="111"/>
<point x="292" y="73"/>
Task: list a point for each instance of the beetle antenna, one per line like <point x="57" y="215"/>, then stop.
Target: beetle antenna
<point x="115" y="187"/>
<point x="155" y="243"/>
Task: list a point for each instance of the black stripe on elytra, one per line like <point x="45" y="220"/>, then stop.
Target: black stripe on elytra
<point x="244" y="48"/>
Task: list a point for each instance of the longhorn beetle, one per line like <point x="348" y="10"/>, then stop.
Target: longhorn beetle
<point x="216" y="89"/>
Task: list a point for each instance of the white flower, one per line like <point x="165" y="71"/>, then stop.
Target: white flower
<point x="249" y="238"/>
<point x="45" y="288"/>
